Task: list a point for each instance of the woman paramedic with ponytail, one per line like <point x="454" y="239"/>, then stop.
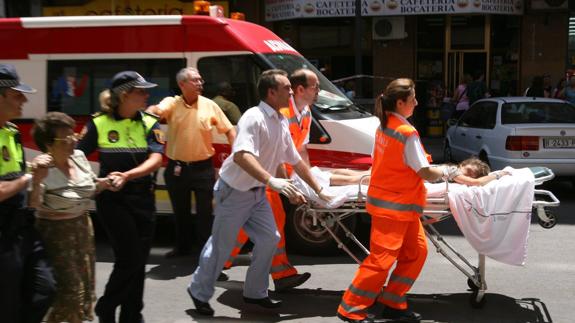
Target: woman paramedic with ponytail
<point x="396" y="198"/>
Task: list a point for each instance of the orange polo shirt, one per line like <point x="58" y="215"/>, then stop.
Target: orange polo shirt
<point x="189" y="135"/>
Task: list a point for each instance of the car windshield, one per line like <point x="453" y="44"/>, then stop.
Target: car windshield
<point x="329" y="98"/>
<point x="537" y="112"/>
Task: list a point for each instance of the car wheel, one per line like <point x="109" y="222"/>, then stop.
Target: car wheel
<point x="447" y="153"/>
<point x="483" y="157"/>
<point x="308" y="237"/>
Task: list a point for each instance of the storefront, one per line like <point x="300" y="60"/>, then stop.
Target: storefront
<point x="436" y="42"/>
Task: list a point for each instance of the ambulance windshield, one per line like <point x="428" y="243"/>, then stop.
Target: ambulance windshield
<point x="329" y="98"/>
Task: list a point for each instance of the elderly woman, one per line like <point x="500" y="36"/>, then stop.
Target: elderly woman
<point x="130" y="145"/>
<point x="62" y="185"/>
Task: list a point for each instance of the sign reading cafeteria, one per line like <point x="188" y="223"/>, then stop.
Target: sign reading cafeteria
<point x="291" y="9"/>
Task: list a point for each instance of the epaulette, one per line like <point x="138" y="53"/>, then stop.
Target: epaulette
<point x="11" y="125"/>
<point x="151" y="114"/>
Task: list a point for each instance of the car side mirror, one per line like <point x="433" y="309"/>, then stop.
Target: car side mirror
<point x="451" y="122"/>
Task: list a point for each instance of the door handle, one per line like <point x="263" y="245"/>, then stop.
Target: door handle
<point x="478" y="137"/>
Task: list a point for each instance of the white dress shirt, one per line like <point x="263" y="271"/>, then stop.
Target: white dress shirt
<point x="264" y="133"/>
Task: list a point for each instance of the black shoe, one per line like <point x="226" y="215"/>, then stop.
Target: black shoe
<point x="292" y="281"/>
<point x="264" y="302"/>
<point x="223" y="277"/>
<point x="176" y="253"/>
<point x="105" y="316"/>
<point x="203" y="308"/>
<point x="397" y="315"/>
<point x="365" y="320"/>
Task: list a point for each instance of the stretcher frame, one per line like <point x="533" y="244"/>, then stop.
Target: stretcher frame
<point x="436" y="210"/>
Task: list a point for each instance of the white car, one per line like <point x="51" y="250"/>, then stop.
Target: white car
<point x="517" y="132"/>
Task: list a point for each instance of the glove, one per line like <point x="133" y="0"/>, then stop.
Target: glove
<point x="284" y="186"/>
<point x="450" y="172"/>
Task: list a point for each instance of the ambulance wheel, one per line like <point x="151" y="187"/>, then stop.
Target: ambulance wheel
<point x="472" y="285"/>
<point x="552" y="220"/>
<point x="474" y="302"/>
<point x="306" y="238"/>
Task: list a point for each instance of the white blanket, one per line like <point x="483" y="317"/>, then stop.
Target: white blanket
<point x="495" y="218"/>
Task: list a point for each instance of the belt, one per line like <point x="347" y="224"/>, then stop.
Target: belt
<point x="204" y="162"/>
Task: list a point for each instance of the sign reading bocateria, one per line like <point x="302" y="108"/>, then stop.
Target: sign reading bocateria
<point x="292" y="9"/>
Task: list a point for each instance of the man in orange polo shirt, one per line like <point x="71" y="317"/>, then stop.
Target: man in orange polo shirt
<point x="305" y="86"/>
<point x="191" y="118"/>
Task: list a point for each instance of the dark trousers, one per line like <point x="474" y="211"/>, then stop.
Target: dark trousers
<point x="199" y="178"/>
<point x="128" y="217"/>
<point x="27" y="284"/>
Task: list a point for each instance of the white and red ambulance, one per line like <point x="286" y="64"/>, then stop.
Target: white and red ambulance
<point x="71" y="59"/>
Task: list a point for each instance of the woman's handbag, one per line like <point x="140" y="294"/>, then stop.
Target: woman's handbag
<point x="448" y="107"/>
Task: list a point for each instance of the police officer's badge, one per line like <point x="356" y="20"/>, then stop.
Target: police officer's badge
<point x="159" y="136"/>
<point x="113" y="136"/>
<point x="5" y="153"/>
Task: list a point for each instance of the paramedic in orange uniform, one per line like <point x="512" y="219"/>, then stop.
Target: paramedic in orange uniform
<point x="305" y="86"/>
<point x="396" y="198"/>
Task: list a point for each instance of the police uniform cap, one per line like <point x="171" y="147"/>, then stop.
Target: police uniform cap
<point x="9" y="79"/>
<point x="126" y="80"/>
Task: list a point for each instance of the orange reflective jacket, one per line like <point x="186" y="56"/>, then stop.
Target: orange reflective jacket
<point x="395" y="190"/>
<point x="298" y="130"/>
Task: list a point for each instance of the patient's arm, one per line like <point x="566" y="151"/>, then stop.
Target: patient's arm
<point x="470" y="181"/>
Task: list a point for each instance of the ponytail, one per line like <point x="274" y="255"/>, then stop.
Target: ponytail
<point x="398" y="89"/>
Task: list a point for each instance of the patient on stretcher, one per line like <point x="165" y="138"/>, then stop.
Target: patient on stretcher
<point x="470" y="172"/>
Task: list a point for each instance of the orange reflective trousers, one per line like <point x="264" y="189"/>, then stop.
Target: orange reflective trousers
<point x="390" y="241"/>
<point x="280" y="264"/>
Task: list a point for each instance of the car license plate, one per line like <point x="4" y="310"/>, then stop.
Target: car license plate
<point x="559" y="142"/>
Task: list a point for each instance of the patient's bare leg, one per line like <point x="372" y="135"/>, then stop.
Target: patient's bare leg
<point x="341" y="177"/>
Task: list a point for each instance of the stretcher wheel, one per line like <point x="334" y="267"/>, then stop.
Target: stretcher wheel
<point x="472" y="285"/>
<point x="475" y="302"/>
<point x="552" y="220"/>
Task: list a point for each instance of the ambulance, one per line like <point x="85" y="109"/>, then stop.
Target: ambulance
<point x="70" y="60"/>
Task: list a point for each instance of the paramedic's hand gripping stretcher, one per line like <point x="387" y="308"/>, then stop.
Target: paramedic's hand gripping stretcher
<point x="480" y="201"/>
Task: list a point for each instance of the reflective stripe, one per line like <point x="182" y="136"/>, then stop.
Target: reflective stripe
<point x="352" y="309"/>
<point x="293" y="120"/>
<point x="238" y="244"/>
<point x="123" y="150"/>
<point x="393" y="297"/>
<point x="401" y="279"/>
<point x="280" y="268"/>
<point x="395" y="135"/>
<point x="231" y="259"/>
<point x="280" y="251"/>
<point x="11" y="176"/>
<point x="394" y="206"/>
<point x="361" y="292"/>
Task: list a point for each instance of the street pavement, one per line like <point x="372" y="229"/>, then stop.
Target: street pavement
<point x="541" y="291"/>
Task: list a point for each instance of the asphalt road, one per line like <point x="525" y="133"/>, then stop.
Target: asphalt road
<point x="541" y="291"/>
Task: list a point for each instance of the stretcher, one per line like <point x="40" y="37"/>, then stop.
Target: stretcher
<point x="332" y="217"/>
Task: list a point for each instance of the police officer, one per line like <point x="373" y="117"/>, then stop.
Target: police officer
<point x="27" y="285"/>
<point x="130" y="144"/>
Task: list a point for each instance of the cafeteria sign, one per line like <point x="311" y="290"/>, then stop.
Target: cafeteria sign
<point x="292" y="9"/>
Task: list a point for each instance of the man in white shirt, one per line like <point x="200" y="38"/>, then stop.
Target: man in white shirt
<point x="262" y="144"/>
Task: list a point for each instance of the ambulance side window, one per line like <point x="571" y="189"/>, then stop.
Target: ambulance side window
<point x="239" y="71"/>
<point x="74" y="86"/>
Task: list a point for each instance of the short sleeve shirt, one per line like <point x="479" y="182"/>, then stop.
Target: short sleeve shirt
<point x="413" y="152"/>
<point x="264" y="133"/>
<point x="189" y="135"/>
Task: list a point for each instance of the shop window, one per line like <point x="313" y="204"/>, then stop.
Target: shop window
<point x="467" y="32"/>
<point x="504" y="73"/>
<point x="240" y="71"/>
<point x="74" y="86"/>
<point x="430" y="47"/>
